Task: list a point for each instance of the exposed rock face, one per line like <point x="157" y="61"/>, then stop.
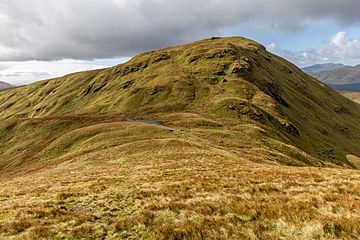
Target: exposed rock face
<point x="125" y="70"/>
<point x="241" y="67"/>
<point x="290" y="128"/>
<point x="160" y="57"/>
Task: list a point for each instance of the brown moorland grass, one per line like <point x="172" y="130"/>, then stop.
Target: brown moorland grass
<point x="181" y="193"/>
<point x="355" y="96"/>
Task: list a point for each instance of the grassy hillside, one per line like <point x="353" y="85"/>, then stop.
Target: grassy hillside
<point x="188" y="142"/>
<point x="230" y="81"/>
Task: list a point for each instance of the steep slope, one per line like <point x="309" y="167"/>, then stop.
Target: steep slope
<point x="187" y="142"/>
<point x="322" y="67"/>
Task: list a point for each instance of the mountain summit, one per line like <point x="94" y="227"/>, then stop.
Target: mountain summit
<point x="231" y="84"/>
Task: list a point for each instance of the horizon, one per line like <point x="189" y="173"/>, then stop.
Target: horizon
<point x="121" y="61"/>
<point x="51" y="39"/>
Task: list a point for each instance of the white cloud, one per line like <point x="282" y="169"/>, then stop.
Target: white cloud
<point x="20" y="73"/>
<point x="336" y="49"/>
<point x="86" y="29"/>
<point x="271" y="47"/>
<point x="338" y="39"/>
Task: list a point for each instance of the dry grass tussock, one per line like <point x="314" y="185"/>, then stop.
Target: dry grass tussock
<point x="355" y="96"/>
<point x="178" y="191"/>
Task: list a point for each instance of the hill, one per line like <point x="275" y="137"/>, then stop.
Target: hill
<point x="4" y="85"/>
<point x="342" y="78"/>
<point x="322" y="67"/>
<point x="228" y="81"/>
<point x="192" y="141"/>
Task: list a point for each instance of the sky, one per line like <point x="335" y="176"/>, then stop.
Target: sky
<point x="41" y="39"/>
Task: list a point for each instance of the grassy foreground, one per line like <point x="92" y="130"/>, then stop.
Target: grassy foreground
<point x="176" y="185"/>
<point x="175" y="190"/>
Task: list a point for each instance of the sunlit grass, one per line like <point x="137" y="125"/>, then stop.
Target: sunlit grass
<point x="355" y="96"/>
<point x="181" y="193"/>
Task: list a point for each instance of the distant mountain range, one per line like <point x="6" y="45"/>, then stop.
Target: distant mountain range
<point x="338" y="76"/>
<point x="4" y="85"/>
<point x="322" y="67"/>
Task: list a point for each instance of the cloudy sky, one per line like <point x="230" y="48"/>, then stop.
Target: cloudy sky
<point x="41" y="39"/>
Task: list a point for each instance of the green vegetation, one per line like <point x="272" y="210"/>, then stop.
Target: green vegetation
<point x="229" y="81"/>
<point x="231" y="120"/>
